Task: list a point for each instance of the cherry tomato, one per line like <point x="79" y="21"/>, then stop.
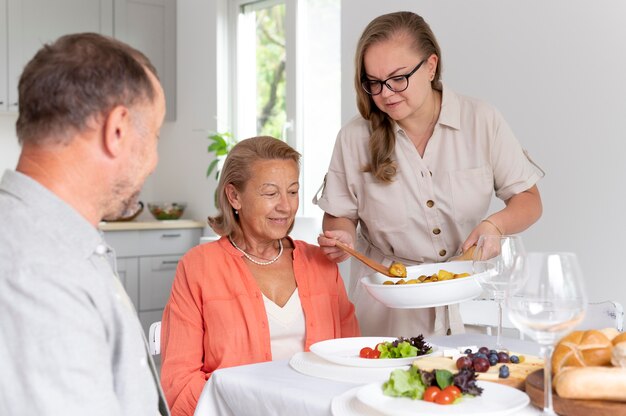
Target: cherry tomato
<point x="431" y="393"/>
<point x="365" y="351"/>
<point x="445" y="397"/>
<point x="374" y="354"/>
<point x="454" y="391"/>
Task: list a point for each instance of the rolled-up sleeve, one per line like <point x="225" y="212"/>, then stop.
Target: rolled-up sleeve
<point x="340" y="194"/>
<point x="513" y="171"/>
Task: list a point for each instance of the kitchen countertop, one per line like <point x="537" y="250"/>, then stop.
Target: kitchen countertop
<point x="149" y="225"/>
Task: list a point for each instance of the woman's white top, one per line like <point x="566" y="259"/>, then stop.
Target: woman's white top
<point x="287" y="328"/>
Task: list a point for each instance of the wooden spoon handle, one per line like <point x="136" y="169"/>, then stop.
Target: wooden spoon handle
<point x="366" y="260"/>
<point x="466" y="255"/>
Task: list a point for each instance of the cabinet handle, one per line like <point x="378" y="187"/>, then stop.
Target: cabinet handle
<point x="170" y="235"/>
<point x="168" y="262"/>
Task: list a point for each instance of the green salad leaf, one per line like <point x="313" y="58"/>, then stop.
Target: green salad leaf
<point x="404" y="349"/>
<point x="444" y="378"/>
<point x="404" y="383"/>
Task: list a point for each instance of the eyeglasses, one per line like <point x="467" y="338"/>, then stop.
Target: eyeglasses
<point x="397" y="83"/>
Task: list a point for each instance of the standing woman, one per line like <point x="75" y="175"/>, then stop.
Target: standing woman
<point x="417" y="170"/>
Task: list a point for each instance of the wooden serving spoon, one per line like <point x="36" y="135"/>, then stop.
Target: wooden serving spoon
<point x="396" y="270"/>
<point x="466" y="255"/>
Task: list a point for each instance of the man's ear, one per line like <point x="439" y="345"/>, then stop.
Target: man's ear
<point x="116" y="128"/>
<point x="233" y="196"/>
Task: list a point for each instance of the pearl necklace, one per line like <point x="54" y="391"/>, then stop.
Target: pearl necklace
<point x="260" y="263"/>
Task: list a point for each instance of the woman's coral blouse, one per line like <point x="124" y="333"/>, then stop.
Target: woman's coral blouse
<point x="215" y="316"/>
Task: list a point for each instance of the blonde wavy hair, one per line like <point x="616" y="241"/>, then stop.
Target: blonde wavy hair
<point x="382" y="140"/>
<point x="237" y="171"/>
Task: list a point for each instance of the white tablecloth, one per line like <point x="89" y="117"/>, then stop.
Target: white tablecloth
<point x="274" y="388"/>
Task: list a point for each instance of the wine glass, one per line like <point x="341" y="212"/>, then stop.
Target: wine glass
<point x="546" y="300"/>
<point x="493" y="262"/>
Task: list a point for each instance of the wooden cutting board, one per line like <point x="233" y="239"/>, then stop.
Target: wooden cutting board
<point x="517" y="377"/>
<point x="570" y="407"/>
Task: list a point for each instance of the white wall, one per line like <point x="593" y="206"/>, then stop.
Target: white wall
<point x="183" y="156"/>
<point x="556" y="69"/>
<point x="9" y="149"/>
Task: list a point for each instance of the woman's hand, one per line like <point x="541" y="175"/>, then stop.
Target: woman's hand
<point x="521" y="211"/>
<point x="483" y="228"/>
<point x="327" y="240"/>
<point x="336" y="228"/>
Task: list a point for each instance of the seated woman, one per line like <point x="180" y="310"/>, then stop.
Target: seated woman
<point x="255" y="294"/>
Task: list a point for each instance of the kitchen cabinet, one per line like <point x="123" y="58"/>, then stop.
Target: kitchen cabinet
<point x="150" y="26"/>
<point x="147" y="255"/>
<point x="147" y="25"/>
<point x="32" y="23"/>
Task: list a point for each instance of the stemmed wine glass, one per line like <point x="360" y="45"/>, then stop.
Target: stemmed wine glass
<point x="546" y="300"/>
<point x="494" y="260"/>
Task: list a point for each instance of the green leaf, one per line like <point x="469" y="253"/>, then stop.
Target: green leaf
<point x="212" y="166"/>
<point x="444" y="378"/>
<point x="404" y="349"/>
<point x="404" y="383"/>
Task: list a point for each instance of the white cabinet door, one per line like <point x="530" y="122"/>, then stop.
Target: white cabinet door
<point x="150" y="26"/>
<point x="32" y="23"/>
<point x="156" y="275"/>
<point x="4" y="56"/>
<point x="128" y="272"/>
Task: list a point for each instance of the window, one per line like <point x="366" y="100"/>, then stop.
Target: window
<point x="285" y="79"/>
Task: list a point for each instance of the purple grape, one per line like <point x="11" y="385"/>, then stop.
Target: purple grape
<point x="464" y="362"/>
<point x="481" y="365"/>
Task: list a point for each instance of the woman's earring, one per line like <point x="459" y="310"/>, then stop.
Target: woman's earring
<point x="236" y="212"/>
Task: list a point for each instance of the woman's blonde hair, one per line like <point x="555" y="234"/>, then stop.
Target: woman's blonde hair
<point x="383" y="28"/>
<point x="237" y="171"/>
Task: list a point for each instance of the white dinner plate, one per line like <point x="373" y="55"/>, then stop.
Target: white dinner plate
<point x="345" y="351"/>
<point x="496" y="399"/>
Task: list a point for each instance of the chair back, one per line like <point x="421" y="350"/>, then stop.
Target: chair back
<point x="154" y="338"/>
<point x="483" y="313"/>
<point x="605" y="314"/>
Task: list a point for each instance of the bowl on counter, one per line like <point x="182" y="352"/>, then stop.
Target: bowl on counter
<point x="167" y="210"/>
<point x="138" y="210"/>
<point x="425" y="295"/>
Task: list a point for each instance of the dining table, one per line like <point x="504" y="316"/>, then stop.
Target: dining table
<point x="308" y="385"/>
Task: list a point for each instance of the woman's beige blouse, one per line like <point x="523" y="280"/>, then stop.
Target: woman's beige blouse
<point x="436" y="200"/>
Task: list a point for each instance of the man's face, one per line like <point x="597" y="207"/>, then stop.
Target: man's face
<point x="141" y="157"/>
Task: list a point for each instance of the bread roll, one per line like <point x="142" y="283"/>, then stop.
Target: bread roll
<point x="618" y="355"/>
<point x="610" y="333"/>
<point x="597" y="383"/>
<point x="619" y="338"/>
<point x="582" y="349"/>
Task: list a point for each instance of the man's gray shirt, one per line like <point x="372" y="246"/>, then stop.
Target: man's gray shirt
<point x="70" y="340"/>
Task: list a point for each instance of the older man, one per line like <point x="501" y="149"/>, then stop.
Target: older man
<point x="90" y="110"/>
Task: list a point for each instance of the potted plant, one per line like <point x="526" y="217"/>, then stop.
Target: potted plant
<point x="221" y="143"/>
